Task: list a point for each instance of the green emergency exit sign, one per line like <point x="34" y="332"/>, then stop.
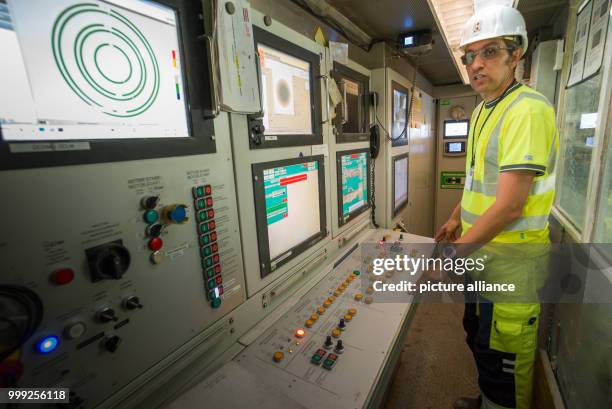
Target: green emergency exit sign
<point x="452" y="180"/>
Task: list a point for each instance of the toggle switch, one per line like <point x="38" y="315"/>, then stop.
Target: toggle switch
<point x="111" y="343"/>
<point x="132" y="303"/>
<point x="339" y="347"/>
<point x="342" y="325"/>
<point x="328" y="342"/>
<point x="149" y="202"/>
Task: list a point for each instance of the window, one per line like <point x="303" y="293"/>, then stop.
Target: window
<point x="399" y="112"/>
<point x="578" y="133"/>
<point x="351" y="120"/>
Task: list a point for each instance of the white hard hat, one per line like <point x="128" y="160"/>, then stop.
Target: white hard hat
<point x="492" y="22"/>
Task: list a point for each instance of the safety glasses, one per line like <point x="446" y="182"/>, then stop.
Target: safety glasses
<point x="486" y="53"/>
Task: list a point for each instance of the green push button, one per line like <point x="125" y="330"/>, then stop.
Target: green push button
<point x="356" y="272"/>
<point x="208" y="262"/>
<point x="316" y="359"/>
<point x="199" y="191"/>
<point x="151" y="216"/>
<point x="210" y="284"/>
<point x="201" y="203"/>
<point x="215" y="303"/>
<point x="206" y="251"/>
<point x="204" y="240"/>
<point x="202" y="216"/>
<point x="328" y="364"/>
<point x="210" y="273"/>
<point x="203" y="228"/>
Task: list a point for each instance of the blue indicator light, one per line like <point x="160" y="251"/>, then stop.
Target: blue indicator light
<point x="47" y="344"/>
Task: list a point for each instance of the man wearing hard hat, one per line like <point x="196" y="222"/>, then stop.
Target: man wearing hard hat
<point x="507" y="199"/>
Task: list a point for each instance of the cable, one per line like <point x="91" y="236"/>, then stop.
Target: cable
<point x="372" y="198"/>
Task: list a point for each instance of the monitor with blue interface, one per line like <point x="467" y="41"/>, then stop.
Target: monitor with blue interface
<point x="290" y="208"/>
<point x="353" y="183"/>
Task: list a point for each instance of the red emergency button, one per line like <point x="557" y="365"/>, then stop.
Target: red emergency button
<point x="155" y="243"/>
<point x="215" y="247"/>
<point x="63" y="276"/>
<point x="213" y="236"/>
<point x="207" y="190"/>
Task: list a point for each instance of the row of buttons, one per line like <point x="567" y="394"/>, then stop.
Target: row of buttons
<point x="209" y="248"/>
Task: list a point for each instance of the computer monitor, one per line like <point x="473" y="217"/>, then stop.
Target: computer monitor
<point x="353" y="183"/>
<point x="352" y="114"/>
<point x="105" y="72"/>
<point x="399" y="112"/>
<point x="290" y="208"/>
<point x="290" y="92"/>
<point x="456" y="129"/>
<point x="400" y="182"/>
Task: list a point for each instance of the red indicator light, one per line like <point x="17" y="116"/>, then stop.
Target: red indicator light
<point x="63" y="276"/>
<point x="300" y="333"/>
<point x="155" y="243"/>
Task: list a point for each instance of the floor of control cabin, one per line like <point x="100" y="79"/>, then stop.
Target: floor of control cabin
<point x="436" y="366"/>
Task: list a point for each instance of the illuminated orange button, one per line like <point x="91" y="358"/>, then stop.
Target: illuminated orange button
<point x="321" y="310"/>
<point x="278" y="356"/>
<point x="309" y="323"/>
<point x="368" y="300"/>
<point x="331" y="298"/>
<point x="300" y="333"/>
<point x="343" y="286"/>
<point x="314" y="317"/>
<point x="369" y="290"/>
<point x="326" y="304"/>
<point x="336" y="333"/>
<point x="352" y="311"/>
<point x="348" y="317"/>
<point x="337" y="293"/>
<point x="358" y="297"/>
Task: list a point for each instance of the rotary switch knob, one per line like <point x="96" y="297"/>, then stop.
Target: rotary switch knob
<point x="106" y="315"/>
<point x="108" y="262"/>
<point x="111" y="343"/>
<point x="132" y="303"/>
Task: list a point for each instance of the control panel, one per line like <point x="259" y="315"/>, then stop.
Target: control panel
<point x="326" y="351"/>
<point x="107" y="259"/>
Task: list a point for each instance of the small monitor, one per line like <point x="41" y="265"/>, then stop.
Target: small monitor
<point x="353" y="183"/>
<point x="290" y="92"/>
<point x="399" y="112"/>
<point x="456" y="129"/>
<point x="400" y="182"/>
<point x="290" y="208"/>
<point x="456" y="148"/>
<point x="352" y="114"/>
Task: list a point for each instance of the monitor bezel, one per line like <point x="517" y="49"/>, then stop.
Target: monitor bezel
<point x="403" y="204"/>
<point x="266" y="38"/>
<point x="265" y="263"/>
<point x="398" y="87"/>
<point x="340" y="71"/>
<point x="196" y="74"/>
<point x="361" y="209"/>
<point x="455" y="121"/>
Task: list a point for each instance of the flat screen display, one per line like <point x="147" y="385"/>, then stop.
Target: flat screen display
<point x="292" y="205"/>
<point x="456" y="129"/>
<point x="400" y="115"/>
<point x="455" y="147"/>
<point x="286" y="88"/>
<point x="400" y="183"/>
<point x="353" y="182"/>
<point x="77" y="70"/>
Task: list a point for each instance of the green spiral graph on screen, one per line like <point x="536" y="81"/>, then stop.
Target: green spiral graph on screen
<point x="105" y="60"/>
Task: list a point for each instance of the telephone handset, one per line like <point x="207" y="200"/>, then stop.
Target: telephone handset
<point x="374" y="141"/>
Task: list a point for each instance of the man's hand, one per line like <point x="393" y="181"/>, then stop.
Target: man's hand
<point x="449" y="230"/>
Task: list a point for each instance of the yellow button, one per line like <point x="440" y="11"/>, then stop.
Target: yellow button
<point x="278" y="356"/>
<point x="326" y="304"/>
<point x="343" y="286"/>
<point x="336" y="333"/>
<point x="352" y="311"/>
<point x="358" y="297"/>
<point x="369" y="290"/>
<point x="368" y="300"/>
<point x="337" y="293"/>
<point x="309" y="323"/>
<point x="348" y="317"/>
<point x="352" y="277"/>
<point x="314" y="317"/>
<point x="331" y="298"/>
<point x="321" y="310"/>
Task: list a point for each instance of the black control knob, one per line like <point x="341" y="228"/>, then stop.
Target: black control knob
<point x="111" y="343"/>
<point x="154" y="230"/>
<point x="258" y="128"/>
<point x="106" y="315"/>
<point x="149" y="202"/>
<point x="342" y="324"/>
<point x="108" y="261"/>
<point x="401" y="237"/>
<point x="328" y="342"/>
<point x="339" y="347"/>
<point x="132" y="303"/>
